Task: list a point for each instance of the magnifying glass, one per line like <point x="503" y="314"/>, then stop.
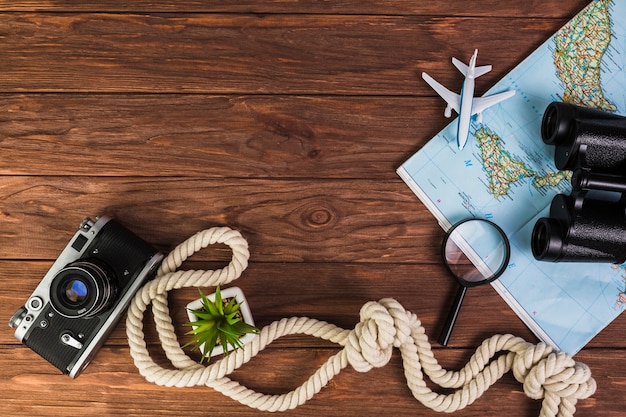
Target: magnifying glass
<point x="476" y="252"/>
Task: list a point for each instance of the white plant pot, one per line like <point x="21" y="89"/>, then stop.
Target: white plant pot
<point x="231" y="292"/>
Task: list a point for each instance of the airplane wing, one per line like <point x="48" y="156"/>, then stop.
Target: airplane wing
<point x="481" y="103"/>
<point x="453" y="99"/>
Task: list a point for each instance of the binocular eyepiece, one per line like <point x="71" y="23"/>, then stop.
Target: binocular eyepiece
<point x="585" y="138"/>
<point x="590" y="223"/>
<point x="581" y="229"/>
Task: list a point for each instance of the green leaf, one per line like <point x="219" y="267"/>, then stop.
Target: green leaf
<point x="205" y="300"/>
<point x="213" y="310"/>
<point x="218" y="301"/>
<point x="233" y="318"/>
<point x="232" y="306"/>
<point x="244" y="328"/>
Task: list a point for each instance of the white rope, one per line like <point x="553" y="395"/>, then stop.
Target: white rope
<point x="545" y="374"/>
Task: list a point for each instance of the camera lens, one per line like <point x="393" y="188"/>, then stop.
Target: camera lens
<point x="76" y="291"/>
<point x="82" y="289"/>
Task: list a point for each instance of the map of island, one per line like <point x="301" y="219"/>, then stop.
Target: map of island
<point x="503" y="169"/>
<point x="579" y="48"/>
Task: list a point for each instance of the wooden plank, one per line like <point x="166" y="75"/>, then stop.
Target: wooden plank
<point x="213" y="136"/>
<point x="332" y="292"/>
<point x="274" y="371"/>
<point x="285" y="221"/>
<point x="245" y="54"/>
<point x="532" y="8"/>
<point x="113" y="377"/>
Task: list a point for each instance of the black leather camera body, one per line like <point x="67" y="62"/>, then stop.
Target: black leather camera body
<point x="81" y="298"/>
<point x="589" y="225"/>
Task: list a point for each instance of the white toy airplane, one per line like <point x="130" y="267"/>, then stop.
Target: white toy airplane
<point x="465" y="104"/>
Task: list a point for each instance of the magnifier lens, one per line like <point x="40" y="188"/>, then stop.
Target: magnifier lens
<point x="476" y="252"/>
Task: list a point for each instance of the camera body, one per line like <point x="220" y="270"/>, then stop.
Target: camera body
<point x="589" y="225"/>
<point x="85" y="293"/>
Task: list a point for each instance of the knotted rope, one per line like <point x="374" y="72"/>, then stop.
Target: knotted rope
<point x="545" y="374"/>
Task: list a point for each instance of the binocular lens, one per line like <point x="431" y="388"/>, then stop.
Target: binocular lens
<point x="547" y="241"/>
<point x="585" y="138"/>
<point x="549" y="125"/>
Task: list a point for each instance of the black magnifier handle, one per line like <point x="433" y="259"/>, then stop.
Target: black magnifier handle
<point x="454" y="313"/>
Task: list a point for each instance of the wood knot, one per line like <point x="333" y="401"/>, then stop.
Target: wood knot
<point x="318" y="215"/>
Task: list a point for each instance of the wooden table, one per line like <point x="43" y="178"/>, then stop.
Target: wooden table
<point x="285" y="120"/>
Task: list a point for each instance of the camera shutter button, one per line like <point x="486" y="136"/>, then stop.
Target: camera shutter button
<point x="35" y="303"/>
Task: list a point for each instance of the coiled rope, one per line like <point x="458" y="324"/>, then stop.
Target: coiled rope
<point x="545" y="374"/>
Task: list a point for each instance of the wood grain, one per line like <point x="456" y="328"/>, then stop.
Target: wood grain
<point x="249" y="54"/>
<point x="283" y="119"/>
<point x="484" y="8"/>
<point x="112" y="378"/>
<point x="340" y="220"/>
<point x="213" y="136"/>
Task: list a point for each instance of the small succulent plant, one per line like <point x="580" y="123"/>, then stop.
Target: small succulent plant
<point x="218" y="322"/>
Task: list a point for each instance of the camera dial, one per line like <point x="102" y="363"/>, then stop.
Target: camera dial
<point x="18" y="317"/>
<point x="82" y="289"/>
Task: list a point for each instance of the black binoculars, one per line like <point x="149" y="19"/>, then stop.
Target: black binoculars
<point x="589" y="225"/>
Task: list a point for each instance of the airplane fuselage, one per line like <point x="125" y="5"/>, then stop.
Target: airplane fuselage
<point x="465" y="115"/>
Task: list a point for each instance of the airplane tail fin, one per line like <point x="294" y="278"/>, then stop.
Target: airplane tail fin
<point x="464" y="69"/>
<point x="478" y="71"/>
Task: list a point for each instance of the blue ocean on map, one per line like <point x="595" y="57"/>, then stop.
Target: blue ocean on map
<point x="564" y="304"/>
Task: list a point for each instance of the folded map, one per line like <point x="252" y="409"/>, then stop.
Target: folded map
<point x="507" y="174"/>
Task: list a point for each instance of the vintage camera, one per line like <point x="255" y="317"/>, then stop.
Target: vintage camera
<point x="85" y="293"/>
<point x="589" y="225"/>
